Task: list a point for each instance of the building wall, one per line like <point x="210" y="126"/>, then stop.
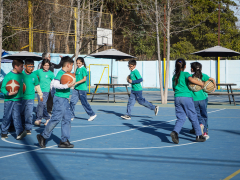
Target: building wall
<point x="229" y="70"/>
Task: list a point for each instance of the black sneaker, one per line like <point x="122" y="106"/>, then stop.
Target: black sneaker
<point x="156" y="110"/>
<point x="21" y="135"/>
<point x="4" y="135"/>
<point x="66" y="144"/>
<point x="192" y="131"/>
<point x="200" y="138"/>
<point x="28" y="132"/>
<point x="126" y="117"/>
<point x="174" y="136"/>
<point x="41" y="141"/>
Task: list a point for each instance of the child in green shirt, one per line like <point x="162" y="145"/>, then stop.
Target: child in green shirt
<point x="199" y="98"/>
<point x="136" y="93"/>
<point x="80" y="90"/>
<point x="45" y="77"/>
<point x="61" y="108"/>
<point x="183" y="101"/>
<point x="31" y="81"/>
<point x="13" y="102"/>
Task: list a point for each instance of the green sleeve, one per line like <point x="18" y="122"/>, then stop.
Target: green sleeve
<point x="137" y="74"/>
<point x="58" y="76"/>
<point x="85" y="72"/>
<point x="187" y="75"/>
<point x="52" y="76"/>
<point x="3" y="88"/>
<point x="36" y="82"/>
<point x="205" y="77"/>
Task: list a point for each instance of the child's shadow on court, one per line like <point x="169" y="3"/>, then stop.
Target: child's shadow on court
<point x="120" y="114"/>
<point x="154" y="128"/>
<point x="80" y="118"/>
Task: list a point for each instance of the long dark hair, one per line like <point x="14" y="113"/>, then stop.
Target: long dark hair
<point x="197" y="69"/>
<point x="179" y="65"/>
<point x="81" y="60"/>
<point x="46" y="61"/>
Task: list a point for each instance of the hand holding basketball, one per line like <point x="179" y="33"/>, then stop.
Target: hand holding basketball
<point x="41" y="99"/>
<point x="129" y="79"/>
<point x="71" y="84"/>
<point x="12" y="93"/>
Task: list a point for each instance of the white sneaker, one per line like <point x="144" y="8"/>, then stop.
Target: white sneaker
<point x="126" y="117"/>
<point x="72" y="119"/>
<point x="92" y="118"/>
<point x="156" y="110"/>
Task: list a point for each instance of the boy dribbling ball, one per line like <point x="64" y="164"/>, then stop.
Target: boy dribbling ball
<point x="61" y="108"/>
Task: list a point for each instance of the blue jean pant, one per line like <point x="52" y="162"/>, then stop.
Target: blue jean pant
<point x="137" y="95"/>
<point x="184" y="106"/>
<point x="61" y="112"/>
<point x="82" y="95"/>
<point x="27" y="110"/>
<point x="41" y="107"/>
<point x="206" y="101"/>
<point x="201" y="110"/>
<point x="12" y="111"/>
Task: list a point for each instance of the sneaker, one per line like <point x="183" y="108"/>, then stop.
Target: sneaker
<point x="206" y="136"/>
<point x="200" y="138"/>
<point x="72" y="119"/>
<point x="174" y="136"/>
<point x="22" y="135"/>
<point x="41" y="141"/>
<point x="192" y="131"/>
<point x="202" y="127"/>
<point x="156" y="110"/>
<point x="66" y="144"/>
<point x="28" y="132"/>
<point x="92" y="117"/>
<point x="50" y="113"/>
<point x="126" y="117"/>
<point x="4" y="135"/>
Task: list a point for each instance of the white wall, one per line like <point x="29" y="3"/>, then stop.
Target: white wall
<point x="229" y="70"/>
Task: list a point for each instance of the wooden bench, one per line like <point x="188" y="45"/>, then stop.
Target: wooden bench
<point x="228" y="93"/>
<point x="111" y="93"/>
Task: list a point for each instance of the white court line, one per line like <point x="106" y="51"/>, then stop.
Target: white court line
<point x="93" y="138"/>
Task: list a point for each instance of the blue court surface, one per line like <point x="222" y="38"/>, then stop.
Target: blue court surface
<point x="140" y="148"/>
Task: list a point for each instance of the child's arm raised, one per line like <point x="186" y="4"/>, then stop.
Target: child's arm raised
<point x="194" y="81"/>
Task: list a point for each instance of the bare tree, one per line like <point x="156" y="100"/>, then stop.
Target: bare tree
<point x="1" y="29"/>
<point x="78" y="34"/>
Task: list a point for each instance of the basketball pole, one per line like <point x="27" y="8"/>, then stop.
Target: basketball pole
<point x="218" y="61"/>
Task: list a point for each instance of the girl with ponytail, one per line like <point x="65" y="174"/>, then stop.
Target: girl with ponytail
<point x="200" y="99"/>
<point x="184" y="105"/>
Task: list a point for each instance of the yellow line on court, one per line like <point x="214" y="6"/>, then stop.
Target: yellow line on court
<point x="232" y="175"/>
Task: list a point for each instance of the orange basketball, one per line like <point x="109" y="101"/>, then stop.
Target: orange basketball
<point x="68" y="78"/>
<point x="12" y="86"/>
<point x="24" y="87"/>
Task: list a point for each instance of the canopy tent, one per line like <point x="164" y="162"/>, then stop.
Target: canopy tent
<point x="24" y="55"/>
<point x="112" y="54"/>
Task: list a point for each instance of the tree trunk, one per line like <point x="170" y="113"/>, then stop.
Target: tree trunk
<point x="82" y="21"/>
<point x="69" y="26"/>
<point x="48" y="29"/>
<point x="159" y="57"/>
<point x="78" y="36"/>
<point x="88" y="46"/>
<point x="99" y="21"/>
<point x="1" y="29"/>
<point x="168" y="53"/>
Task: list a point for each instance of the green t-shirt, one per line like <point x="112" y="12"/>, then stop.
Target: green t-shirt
<point x="200" y="95"/>
<point x="13" y="76"/>
<point x="80" y="74"/>
<point x="134" y="75"/>
<point x="64" y="93"/>
<point x="181" y="89"/>
<point x="30" y="80"/>
<point x="45" y="78"/>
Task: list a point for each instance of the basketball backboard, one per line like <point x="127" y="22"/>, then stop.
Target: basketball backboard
<point x="104" y="36"/>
